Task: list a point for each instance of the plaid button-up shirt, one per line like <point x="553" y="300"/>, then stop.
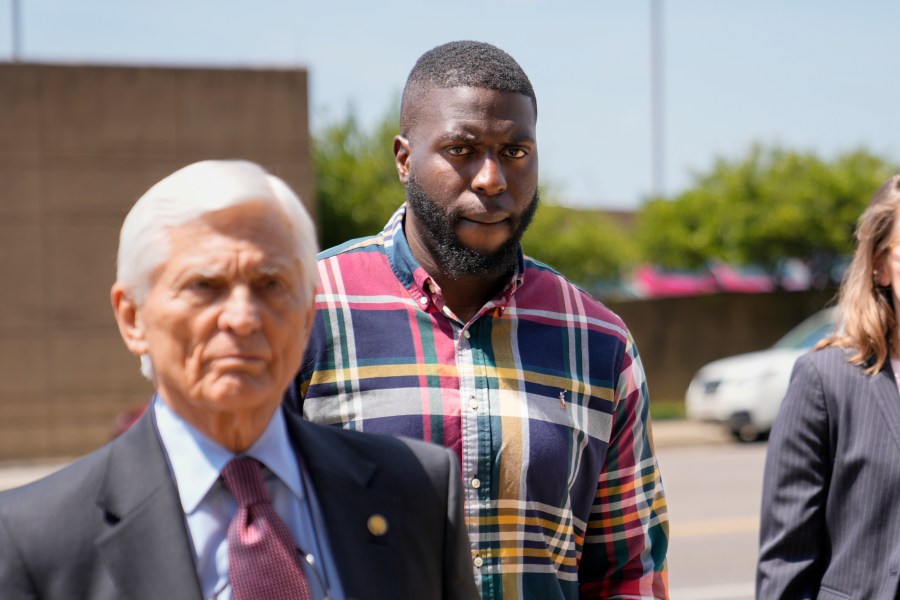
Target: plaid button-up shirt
<point x="541" y="395"/>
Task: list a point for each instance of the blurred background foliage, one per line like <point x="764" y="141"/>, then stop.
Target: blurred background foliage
<point x="771" y="204"/>
<point x="582" y="244"/>
<point x="356" y="183"/>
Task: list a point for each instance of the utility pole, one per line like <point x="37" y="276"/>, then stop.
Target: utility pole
<point x="16" y="30"/>
<point x="657" y="99"/>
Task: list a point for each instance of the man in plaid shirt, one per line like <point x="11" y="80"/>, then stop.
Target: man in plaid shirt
<point x="440" y="328"/>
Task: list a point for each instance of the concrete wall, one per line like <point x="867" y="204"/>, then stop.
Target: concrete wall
<point x="78" y="145"/>
<point x="677" y="336"/>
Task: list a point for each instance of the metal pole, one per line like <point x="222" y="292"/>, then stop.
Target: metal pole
<point x="657" y="100"/>
<point x="16" y="33"/>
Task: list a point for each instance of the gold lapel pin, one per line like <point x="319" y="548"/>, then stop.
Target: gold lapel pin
<point x="377" y="525"/>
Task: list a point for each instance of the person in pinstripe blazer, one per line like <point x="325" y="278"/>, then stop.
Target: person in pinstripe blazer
<point x="830" y="524"/>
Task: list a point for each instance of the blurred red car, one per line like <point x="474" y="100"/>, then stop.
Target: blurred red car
<point x="749" y="279"/>
<point x="651" y="281"/>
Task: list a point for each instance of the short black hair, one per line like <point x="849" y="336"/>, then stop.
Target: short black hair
<point x="463" y="64"/>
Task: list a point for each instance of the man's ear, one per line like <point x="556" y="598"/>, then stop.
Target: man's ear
<point x="401" y="157"/>
<point x="131" y="326"/>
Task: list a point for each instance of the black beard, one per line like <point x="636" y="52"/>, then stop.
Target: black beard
<point x="454" y="259"/>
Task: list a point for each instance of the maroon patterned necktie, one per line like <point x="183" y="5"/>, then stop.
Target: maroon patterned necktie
<point x="262" y="555"/>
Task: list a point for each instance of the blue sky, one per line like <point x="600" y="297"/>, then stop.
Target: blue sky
<point x="819" y="75"/>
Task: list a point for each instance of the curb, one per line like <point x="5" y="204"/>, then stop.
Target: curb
<point x="681" y="432"/>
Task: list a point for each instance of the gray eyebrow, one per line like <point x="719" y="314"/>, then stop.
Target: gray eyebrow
<point x="271" y="270"/>
<point x="206" y="271"/>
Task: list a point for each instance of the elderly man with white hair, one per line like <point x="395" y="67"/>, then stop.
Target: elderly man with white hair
<point x="216" y="492"/>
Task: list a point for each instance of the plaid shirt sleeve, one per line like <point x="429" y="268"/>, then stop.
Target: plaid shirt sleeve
<point x="627" y="534"/>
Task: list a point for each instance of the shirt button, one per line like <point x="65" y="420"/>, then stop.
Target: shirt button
<point x="466" y="334"/>
<point x="473" y="403"/>
<point x="476" y="483"/>
<point x="478" y="562"/>
<point x="446" y="311"/>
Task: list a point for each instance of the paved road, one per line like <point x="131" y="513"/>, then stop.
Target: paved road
<point x="713" y="492"/>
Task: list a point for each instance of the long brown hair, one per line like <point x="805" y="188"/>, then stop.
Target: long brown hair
<point x="866" y="309"/>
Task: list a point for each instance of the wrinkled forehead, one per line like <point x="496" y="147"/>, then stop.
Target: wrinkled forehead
<point x="260" y="228"/>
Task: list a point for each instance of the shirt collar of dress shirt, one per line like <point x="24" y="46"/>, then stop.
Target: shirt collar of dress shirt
<point x="895" y="367"/>
<point x="197" y="461"/>
<point x="418" y="281"/>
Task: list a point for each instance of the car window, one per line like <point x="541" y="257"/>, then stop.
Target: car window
<point x="808" y="333"/>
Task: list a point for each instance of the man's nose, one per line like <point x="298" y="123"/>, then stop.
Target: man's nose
<point x="240" y="313"/>
<point x="489" y="179"/>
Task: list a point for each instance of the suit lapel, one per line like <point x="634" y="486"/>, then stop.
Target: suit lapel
<point x="888" y="399"/>
<point x="316" y="445"/>
<point x="343" y="480"/>
<point x="145" y="547"/>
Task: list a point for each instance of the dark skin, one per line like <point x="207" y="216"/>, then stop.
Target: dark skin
<point x="474" y="152"/>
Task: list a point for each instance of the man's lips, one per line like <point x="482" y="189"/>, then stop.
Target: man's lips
<point x="486" y="219"/>
<point x="239" y="361"/>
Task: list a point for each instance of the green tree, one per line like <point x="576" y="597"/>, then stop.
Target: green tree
<point x="356" y="182"/>
<point x="582" y="244"/>
<point x="769" y="205"/>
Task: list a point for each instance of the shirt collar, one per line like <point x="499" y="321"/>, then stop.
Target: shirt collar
<point x="414" y="277"/>
<point x="197" y="461"/>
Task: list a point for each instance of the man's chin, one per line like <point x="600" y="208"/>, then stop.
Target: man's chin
<point x="484" y="240"/>
<point x="459" y="261"/>
<point x="485" y="252"/>
<point x="236" y="388"/>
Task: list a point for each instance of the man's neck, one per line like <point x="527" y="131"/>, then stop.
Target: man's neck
<point x="234" y="430"/>
<point x="466" y="295"/>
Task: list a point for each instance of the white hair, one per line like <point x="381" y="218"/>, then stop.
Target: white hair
<point x="187" y="195"/>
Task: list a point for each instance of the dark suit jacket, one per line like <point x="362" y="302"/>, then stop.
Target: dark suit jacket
<point x="831" y="494"/>
<point x="110" y="526"/>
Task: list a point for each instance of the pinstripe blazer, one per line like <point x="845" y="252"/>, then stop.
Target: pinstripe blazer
<point x="831" y="493"/>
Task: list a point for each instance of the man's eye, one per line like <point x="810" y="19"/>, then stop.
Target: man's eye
<point x="271" y="285"/>
<point x="202" y="285"/>
<point x="458" y="150"/>
<point x="516" y="152"/>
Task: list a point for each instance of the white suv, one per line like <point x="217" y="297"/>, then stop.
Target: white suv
<point x="743" y="392"/>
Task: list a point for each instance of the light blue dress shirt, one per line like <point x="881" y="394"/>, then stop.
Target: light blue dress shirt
<point x="196" y="463"/>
